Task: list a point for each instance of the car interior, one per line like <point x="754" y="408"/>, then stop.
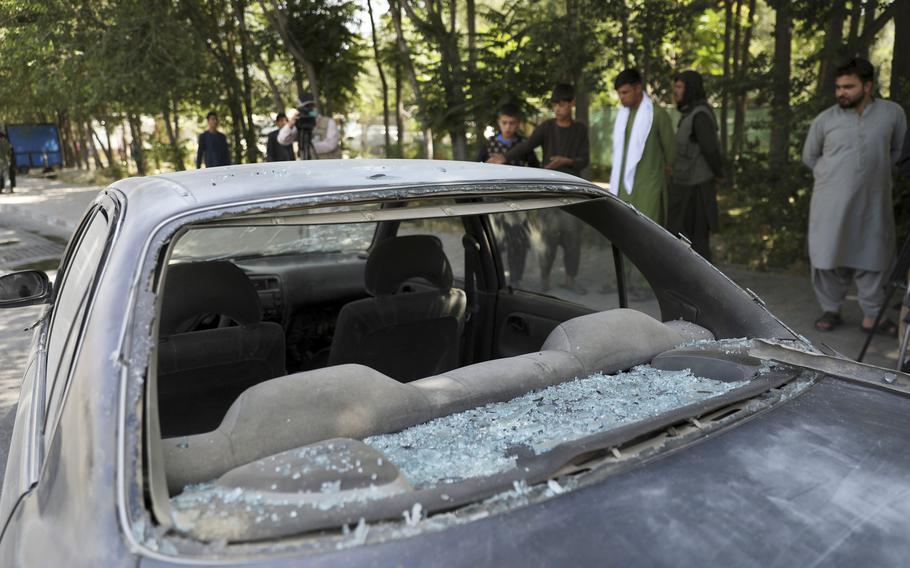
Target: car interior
<point x="301" y="328"/>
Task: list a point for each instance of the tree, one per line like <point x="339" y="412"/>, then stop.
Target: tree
<point x="780" y="86"/>
<point x="319" y="35"/>
<point x="900" y="62"/>
<point x="384" y="84"/>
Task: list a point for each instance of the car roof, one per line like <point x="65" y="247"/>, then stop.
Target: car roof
<point x="163" y="195"/>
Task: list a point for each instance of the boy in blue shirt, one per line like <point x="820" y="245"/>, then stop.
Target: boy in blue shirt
<point x="509" y="121"/>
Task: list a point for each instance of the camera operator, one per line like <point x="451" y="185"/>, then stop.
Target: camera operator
<point x="316" y="133"/>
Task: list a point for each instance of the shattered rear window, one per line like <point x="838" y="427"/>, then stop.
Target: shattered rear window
<point x="337" y="477"/>
<point x="482" y="441"/>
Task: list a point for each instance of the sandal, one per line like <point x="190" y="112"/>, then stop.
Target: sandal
<point x="828" y="322"/>
<point x="885" y="327"/>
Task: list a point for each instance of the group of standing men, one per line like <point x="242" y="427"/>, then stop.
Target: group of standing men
<point x="323" y="139"/>
<point x="851" y="148"/>
<point x="669" y="177"/>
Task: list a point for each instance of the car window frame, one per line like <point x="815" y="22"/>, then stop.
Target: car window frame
<point x="500" y="262"/>
<point x="55" y="396"/>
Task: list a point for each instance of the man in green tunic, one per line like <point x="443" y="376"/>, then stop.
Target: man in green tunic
<point x="643" y="148"/>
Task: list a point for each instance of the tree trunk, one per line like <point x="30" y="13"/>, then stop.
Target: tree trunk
<point x="124" y="145"/>
<point x="90" y="144"/>
<point x="868" y="23"/>
<point x="737" y="31"/>
<point x="477" y="115"/>
<point x="67" y="146"/>
<point x="236" y="127"/>
<point x="779" y="152"/>
<point x="728" y="24"/>
<point x="405" y="52"/>
<point x="108" y="153"/>
<point x="82" y="151"/>
<point x="298" y="81"/>
<point x="399" y="113"/>
<point x="382" y="81"/>
<point x="582" y="96"/>
<point x="624" y="37"/>
<point x="278" y="19"/>
<point x="856" y="8"/>
<point x="739" y="119"/>
<point x="136" y="144"/>
<point x="179" y="154"/>
<point x="172" y="139"/>
<point x="832" y="51"/>
<point x="252" y="151"/>
<point x="900" y="62"/>
<point x="454" y="83"/>
<point x="277" y="99"/>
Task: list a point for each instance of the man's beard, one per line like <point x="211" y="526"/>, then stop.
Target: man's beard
<point x="846" y="102"/>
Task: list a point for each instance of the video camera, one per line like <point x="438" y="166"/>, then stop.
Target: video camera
<point x="306" y="120"/>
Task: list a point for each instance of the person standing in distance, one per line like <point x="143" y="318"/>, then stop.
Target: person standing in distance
<point x="851" y="148"/>
<point x="213" y="146"/>
<point x="275" y="152"/>
<point x="515" y="225"/>
<point x="697" y="169"/>
<point x="643" y="148"/>
<point x="509" y="121"/>
<point x="5" y="152"/>
<point x="325" y="131"/>
<point x="565" y="149"/>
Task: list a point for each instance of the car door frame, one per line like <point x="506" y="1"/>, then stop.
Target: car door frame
<point x="33" y="430"/>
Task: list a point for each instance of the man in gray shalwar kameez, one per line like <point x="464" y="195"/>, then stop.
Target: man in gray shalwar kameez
<point x="851" y="148"/>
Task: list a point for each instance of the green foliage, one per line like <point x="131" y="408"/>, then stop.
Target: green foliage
<point x="325" y="29"/>
<point x="79" y="62"/>
<point x="530" y="45"/>
<point x="764" y="219"/>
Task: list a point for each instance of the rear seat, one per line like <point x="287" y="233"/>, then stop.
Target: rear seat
<point x="354" y="401"/>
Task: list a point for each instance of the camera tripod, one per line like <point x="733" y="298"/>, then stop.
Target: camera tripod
<point x="305" y="148"/>
<point x="897" y="279"/>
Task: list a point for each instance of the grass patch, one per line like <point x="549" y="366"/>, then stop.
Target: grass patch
<point x="101" y="177"/>
<point x="43" y="265"/>
<point x="54" y="238"/>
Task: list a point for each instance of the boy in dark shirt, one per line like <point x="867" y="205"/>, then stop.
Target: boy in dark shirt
<point x="509" y="121"/>
<point x="213" y="146"/>
<point x="275" y="152"/>
<point x="565" y="149"/>
<point x="564" y="141"/>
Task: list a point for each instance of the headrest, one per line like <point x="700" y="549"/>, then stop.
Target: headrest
<point x="613" y="340"/>
<point x="399" y="259"/>
<point x="198" y="288"/>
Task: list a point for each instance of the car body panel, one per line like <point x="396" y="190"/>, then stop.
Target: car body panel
<point x="820" y="481"/>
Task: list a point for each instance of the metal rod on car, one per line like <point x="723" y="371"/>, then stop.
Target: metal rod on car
<point x="620" y="277"/>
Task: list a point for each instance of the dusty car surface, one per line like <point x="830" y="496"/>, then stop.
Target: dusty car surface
<point x="413" y="362"/>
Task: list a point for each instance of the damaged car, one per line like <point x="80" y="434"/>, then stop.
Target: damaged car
<point x="404" y="362"/>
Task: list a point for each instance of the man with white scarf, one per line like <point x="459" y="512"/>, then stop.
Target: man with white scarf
<point x="644" y="148"/>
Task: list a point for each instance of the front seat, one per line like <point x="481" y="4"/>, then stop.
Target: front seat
<point x="405" y="335"/>
<point x="200" y="373"/>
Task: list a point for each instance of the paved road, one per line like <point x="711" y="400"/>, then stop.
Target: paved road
<point x="35" y="224"/>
